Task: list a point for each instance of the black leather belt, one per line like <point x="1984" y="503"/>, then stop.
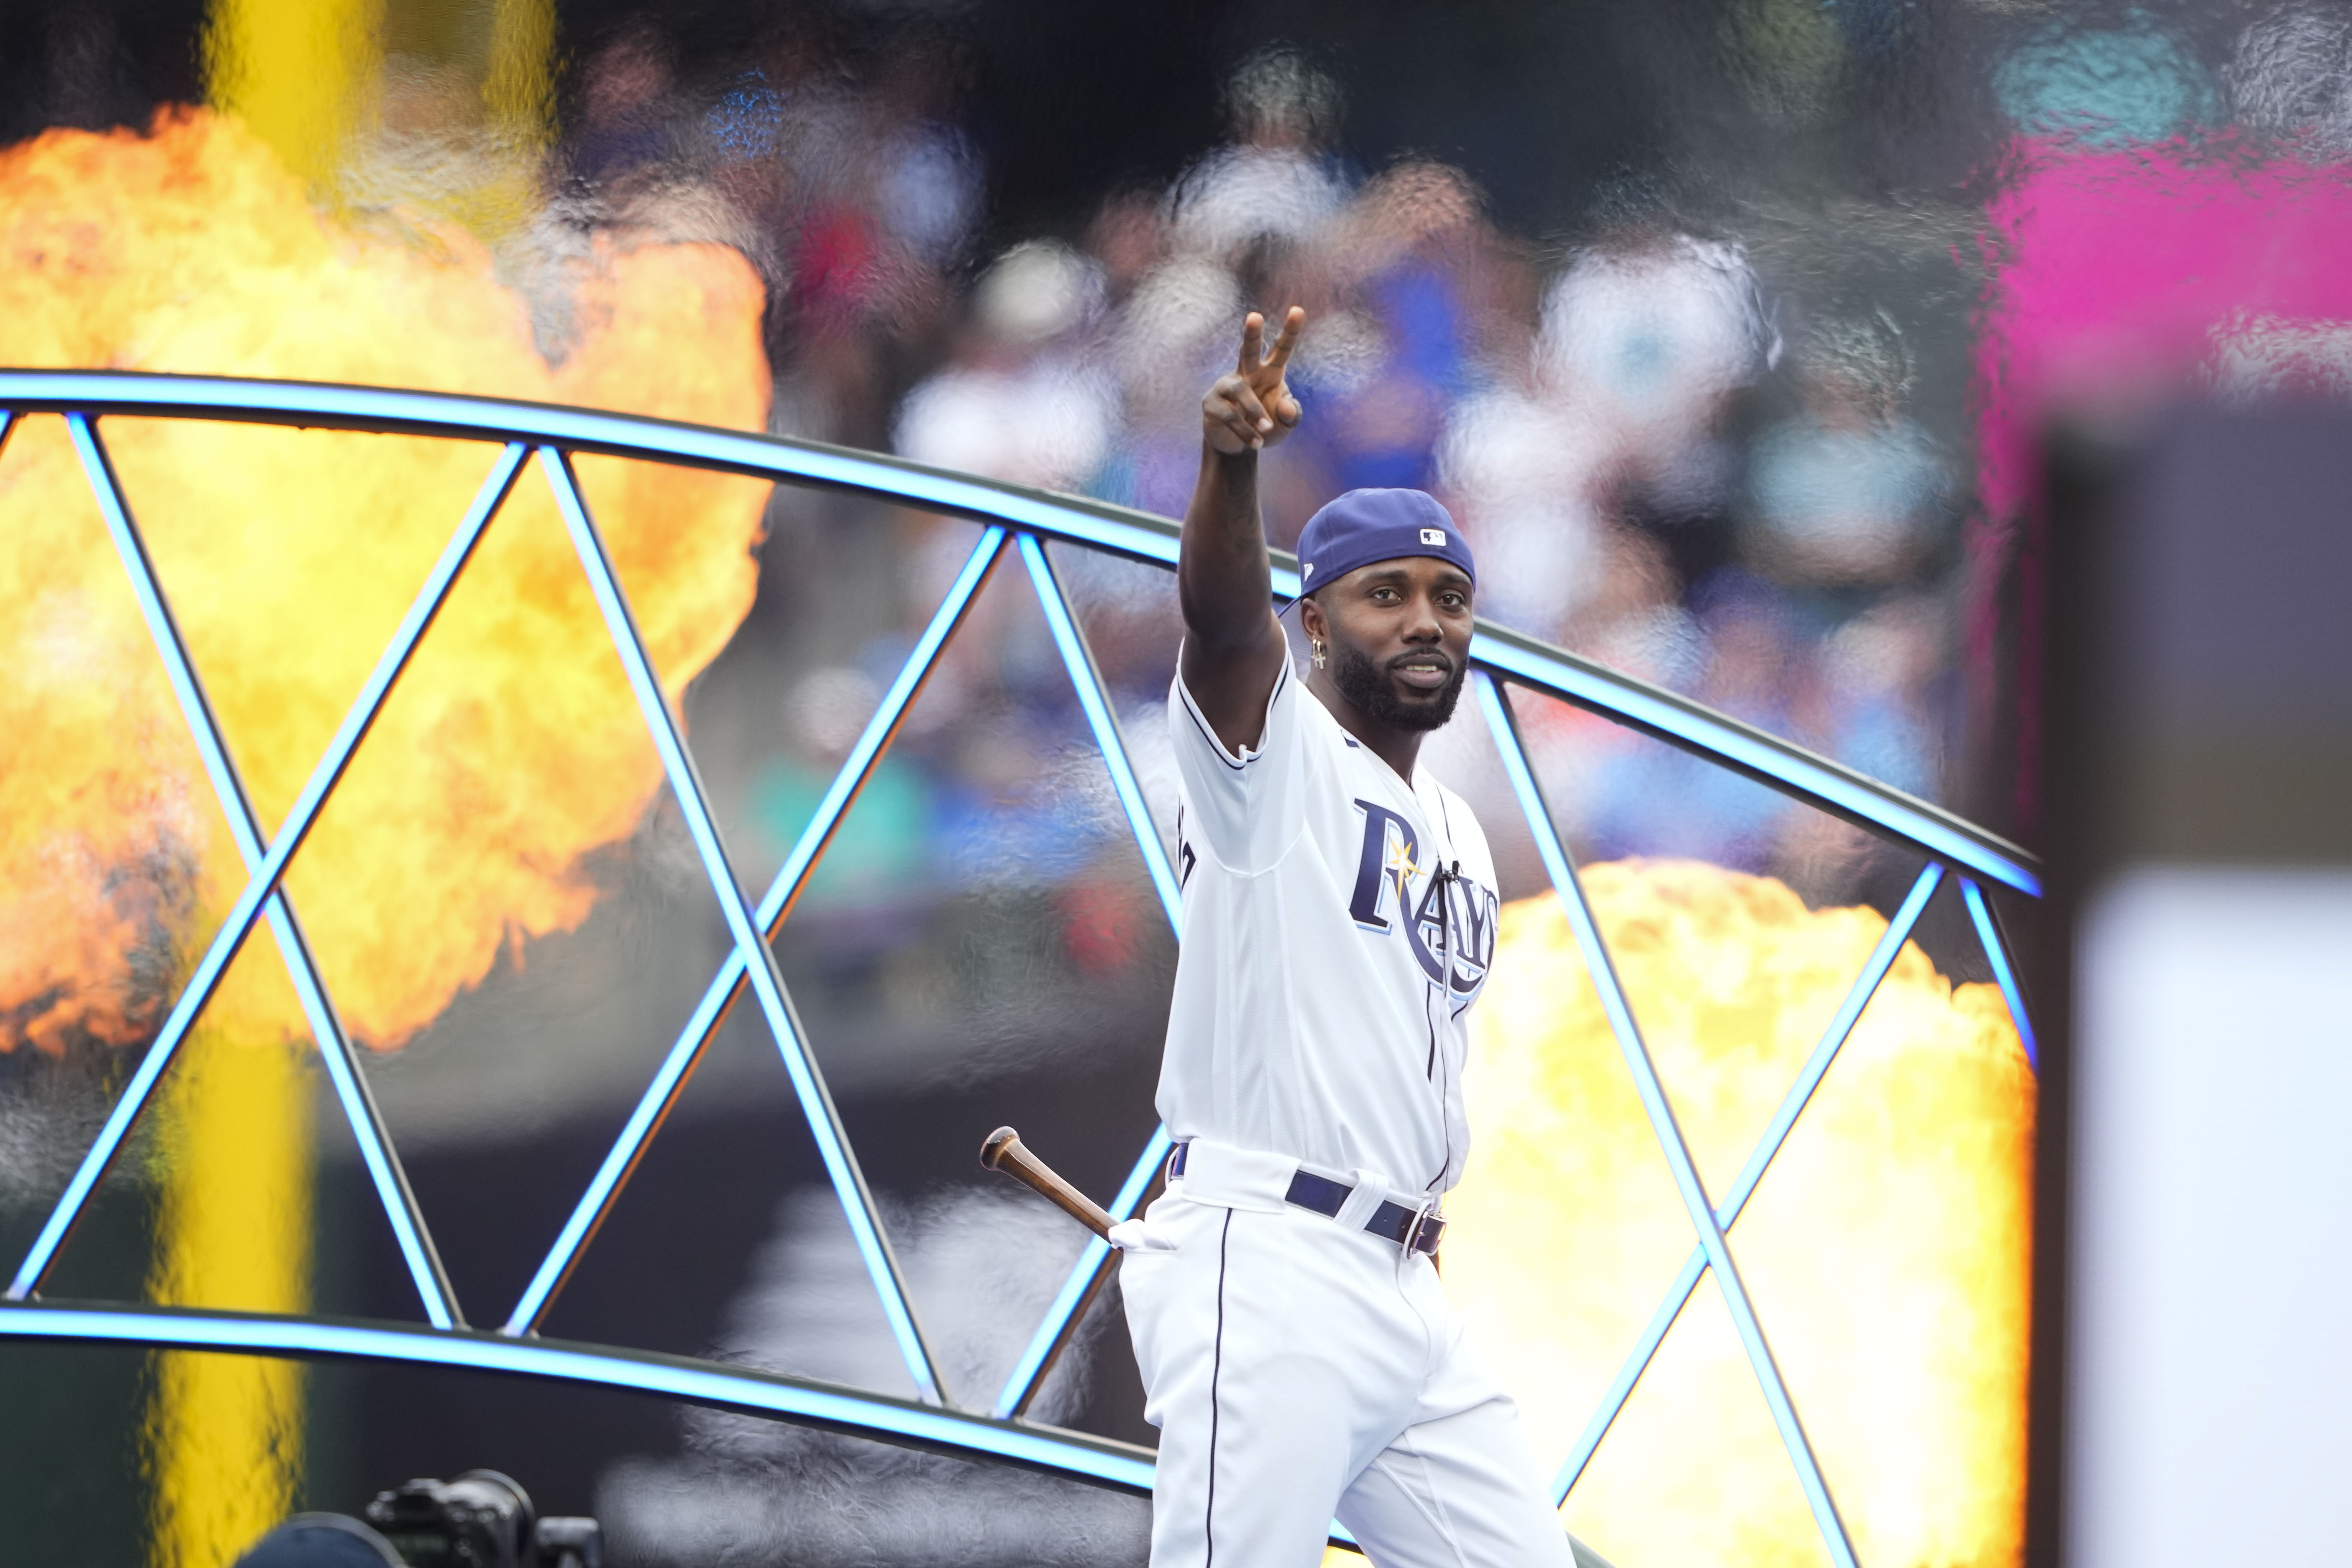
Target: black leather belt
<point x="1418" y="1230"/>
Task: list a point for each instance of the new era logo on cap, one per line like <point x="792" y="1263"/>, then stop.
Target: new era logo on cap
<point x="1434" y="536"/>
<point x="1306" y="571"/>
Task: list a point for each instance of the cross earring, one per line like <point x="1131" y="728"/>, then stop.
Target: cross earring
<point x="1316" y="648"/>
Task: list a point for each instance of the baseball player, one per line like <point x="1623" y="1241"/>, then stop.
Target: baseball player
<point x="1339" y="910"/>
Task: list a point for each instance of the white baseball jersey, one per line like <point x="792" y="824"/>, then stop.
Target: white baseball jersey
<point x="1338" y="925"/>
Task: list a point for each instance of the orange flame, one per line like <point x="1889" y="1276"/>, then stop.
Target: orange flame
<point x="1885" y="1252"/>
<point x="511" y="747"/>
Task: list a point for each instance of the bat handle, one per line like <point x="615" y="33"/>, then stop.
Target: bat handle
<point x="1005" y="1152"/>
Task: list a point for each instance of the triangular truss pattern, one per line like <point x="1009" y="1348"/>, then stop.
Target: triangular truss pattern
<point x="1028" y="519"/>
<point x="751" y="945"/>
<point x="267" y="866"/>
<point x="1784" y="1120"/>
<point x="725" y="986"/>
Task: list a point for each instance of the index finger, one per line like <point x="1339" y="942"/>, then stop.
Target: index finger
<point x="1293" y="323"/>
<point x="1253" y="343"/>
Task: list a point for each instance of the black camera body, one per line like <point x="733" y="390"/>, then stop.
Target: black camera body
<point x="477" y="1520"/>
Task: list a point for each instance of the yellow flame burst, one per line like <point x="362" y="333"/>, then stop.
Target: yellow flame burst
<point x="510" y="751"/>
<point x="510" y="748"/>
<point x="1886" y="1251"/>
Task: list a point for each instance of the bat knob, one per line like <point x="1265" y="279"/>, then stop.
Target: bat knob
<point x="992" y="1151"/>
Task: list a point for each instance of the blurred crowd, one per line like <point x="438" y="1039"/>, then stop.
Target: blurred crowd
<point x="1601" y="422"/>
<point x="1661" y="464"/>
<point x="1669" y="458"/>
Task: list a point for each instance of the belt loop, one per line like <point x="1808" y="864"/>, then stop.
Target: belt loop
<point x="1370" y="1191"/>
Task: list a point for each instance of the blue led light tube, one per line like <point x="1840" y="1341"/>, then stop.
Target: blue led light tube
<point x="1828" y="785"/>
<point x="903" y="1420"/>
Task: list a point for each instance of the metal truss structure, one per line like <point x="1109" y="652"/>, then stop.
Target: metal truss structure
<point x="991" y="1427"/>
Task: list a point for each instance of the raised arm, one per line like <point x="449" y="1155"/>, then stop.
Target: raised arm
<point x="1234" y="647"/>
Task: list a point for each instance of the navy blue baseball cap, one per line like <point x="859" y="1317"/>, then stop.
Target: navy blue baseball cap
<point x="1365" y="526"/>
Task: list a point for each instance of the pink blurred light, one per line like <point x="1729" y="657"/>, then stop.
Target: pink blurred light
<point x="2114" y="275"/>
<point x="2112" y="272"/>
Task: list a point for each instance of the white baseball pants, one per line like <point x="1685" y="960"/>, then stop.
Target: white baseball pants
<point x="1298" y="1369"/>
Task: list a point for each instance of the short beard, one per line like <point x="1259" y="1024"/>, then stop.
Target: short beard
<point x="1365" y="684"/>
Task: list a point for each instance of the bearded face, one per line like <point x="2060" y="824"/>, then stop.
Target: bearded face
<point x="1390" y="691"/>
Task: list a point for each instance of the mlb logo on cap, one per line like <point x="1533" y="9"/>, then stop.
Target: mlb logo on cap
<point x="1434" y="536"/>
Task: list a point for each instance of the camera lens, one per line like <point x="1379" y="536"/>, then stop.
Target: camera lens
<point x="322" y="1540"/>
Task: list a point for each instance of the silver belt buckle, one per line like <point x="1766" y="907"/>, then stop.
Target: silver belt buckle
<point x="1428" y="1221"/>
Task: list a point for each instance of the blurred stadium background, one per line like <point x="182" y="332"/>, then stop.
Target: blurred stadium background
<point x="1723" y="325"/>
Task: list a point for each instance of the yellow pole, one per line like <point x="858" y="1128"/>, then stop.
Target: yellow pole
<point x="519" y="92"/>
<point x="301" y="73"/>
<point x="518" y="111"/>
<point x="224" y="1432"/>
<point x="308" y="77"/>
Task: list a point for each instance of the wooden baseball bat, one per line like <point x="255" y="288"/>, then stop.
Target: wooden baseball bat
<point x="1005" y="1152"/>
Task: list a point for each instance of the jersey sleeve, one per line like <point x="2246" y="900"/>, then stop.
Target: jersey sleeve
<point x="1247" y="808"/>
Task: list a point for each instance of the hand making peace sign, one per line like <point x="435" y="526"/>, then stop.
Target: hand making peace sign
<point x="1253" y="407"/>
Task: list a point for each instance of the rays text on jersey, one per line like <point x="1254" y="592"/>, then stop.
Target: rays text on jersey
<point x="1390" y="875"/>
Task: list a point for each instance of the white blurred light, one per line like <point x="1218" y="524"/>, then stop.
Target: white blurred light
<point x="1661" y="332"/>
<point x="1176" y="311"/>
<point x="827" y="709"/>
<point x="2260" y="357"/>
<point x="2209" y="1367"/>
<point x="1238" y="193"/>
<point x="1047" y="422"/>
<point x="1524" y="471"/>
<point x="1340" y="353"/>
<point x="1037" y="290"/>
<point x="2291" y="74"/>
<point x="1661" y="645"/>
<point x="1843" y="503"/>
